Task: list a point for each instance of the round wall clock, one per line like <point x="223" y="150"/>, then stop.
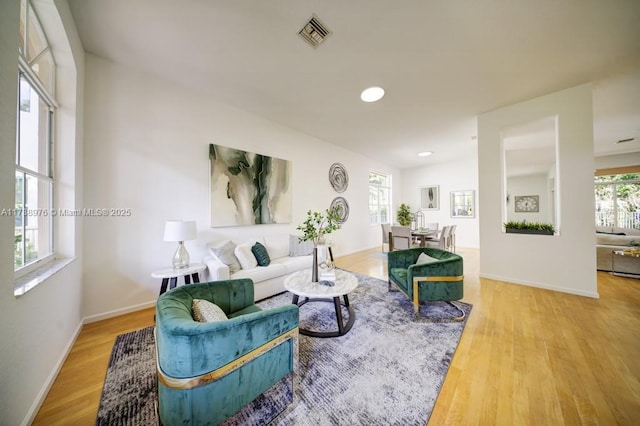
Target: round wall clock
<point x="527" y="203"/>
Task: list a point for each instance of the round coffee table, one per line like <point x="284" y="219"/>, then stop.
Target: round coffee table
<point x="300" y="285"/>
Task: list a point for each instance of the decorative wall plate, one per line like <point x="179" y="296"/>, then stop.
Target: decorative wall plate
<point x="344" y="212"/>
<point x="338" y="177"/>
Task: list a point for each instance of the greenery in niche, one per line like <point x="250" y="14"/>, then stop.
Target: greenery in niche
<point x="404" y="215"/>
<point x="530" y="226"/>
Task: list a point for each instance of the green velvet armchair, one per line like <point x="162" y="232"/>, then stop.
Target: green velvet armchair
<point x="439" y="280"/>
<point x="207" y="371"/>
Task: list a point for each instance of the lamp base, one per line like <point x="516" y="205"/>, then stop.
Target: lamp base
<point x="181" y="257"/>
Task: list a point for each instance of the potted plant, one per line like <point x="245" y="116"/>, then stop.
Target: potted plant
<point x="315" y="227"/>
<point x="404" y="215"/>
<point x="524" y="227"/>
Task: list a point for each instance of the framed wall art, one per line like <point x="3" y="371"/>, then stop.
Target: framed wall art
<point x="527" y="203"/>
<point x="430" y="198"/>
<point x="463" y="203"/>
<point x="248" y="188"/>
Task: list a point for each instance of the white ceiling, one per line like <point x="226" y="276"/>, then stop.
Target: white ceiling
<point x="441" y="62"/>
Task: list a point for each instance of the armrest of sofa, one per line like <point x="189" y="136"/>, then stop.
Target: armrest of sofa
<point x="217" y="271"/>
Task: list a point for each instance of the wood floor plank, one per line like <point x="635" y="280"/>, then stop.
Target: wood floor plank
<point x="527" y="355"/>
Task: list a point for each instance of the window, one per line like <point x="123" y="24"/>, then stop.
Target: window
<point x="34" y="171"/>
<point x="618" y="200"/>
<point x="379" y="198"/>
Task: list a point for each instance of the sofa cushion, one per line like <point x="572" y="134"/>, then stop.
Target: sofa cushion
<point x="205" y="311"/>
<point x="295" y="263"/>
<point x="226" y="253"/>
<point x="262" y="273"/>
<point x="261" y="254"/>
<point x="277" y="245"/>
<point x="299" y="248"/>
<point x="617" y="240"/>
<point x="245" y="255"/>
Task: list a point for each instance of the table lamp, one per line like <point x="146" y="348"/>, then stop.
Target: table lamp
<point x="180" y="231"/>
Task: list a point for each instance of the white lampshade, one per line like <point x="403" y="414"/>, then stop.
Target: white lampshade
<point x="180" y="230"/>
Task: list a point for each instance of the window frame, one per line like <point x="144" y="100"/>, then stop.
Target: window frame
<point x="45" y="172"/>
<point x="613" y="184"/>
<point x="378" y="188"/>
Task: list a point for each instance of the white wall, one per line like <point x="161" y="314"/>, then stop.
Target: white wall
<point x="146" y="149"/>
<point x="619" y="160"/>
<point x="38" y="328"/>
<point x="529" y="185"/>
<point x="451" y="176"/>
<point x="565" y="262"/>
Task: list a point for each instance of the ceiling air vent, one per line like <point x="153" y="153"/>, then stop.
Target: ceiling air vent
<point x="626" y="140"/>
<point x="314" y="32"/>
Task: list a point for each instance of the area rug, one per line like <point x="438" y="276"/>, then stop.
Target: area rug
<point x="387" y="370"/>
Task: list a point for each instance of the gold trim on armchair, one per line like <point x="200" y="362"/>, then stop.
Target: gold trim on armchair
<point x="416" y="297"/>
<point x="212" y="376"/>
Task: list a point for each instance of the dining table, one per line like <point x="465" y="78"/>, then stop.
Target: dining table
<point x="424" y="234"/>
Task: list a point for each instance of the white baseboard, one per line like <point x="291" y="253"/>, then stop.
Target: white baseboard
<point x="560" y="289"/>
<point x="118" y="312"/>
<point x="37" y="403"/>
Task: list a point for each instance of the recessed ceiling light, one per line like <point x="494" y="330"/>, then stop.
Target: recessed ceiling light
<point x="424" y="154"/>
<point x="372" y="94"/>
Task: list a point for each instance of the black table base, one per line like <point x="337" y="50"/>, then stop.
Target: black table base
<point x="342" y="327"/>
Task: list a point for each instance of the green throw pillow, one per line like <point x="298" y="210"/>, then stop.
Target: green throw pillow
<point x="261" y="254"/>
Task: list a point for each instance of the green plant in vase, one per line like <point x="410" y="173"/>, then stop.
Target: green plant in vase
<point x="315" y="227"/>
<point x="404" y="215"/>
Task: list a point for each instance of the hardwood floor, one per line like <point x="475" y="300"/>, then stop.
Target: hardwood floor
<point x="527" y="356"/>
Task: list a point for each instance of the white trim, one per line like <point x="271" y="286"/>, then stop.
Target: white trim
<point x="40" y="274"/>
<point x="46" y="387"/>
<point x="568" y="290"/>
<point x="118" y="312"/>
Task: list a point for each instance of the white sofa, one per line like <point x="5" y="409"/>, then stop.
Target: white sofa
<point x="286" y="256"/>
<point x="609" y="239"/>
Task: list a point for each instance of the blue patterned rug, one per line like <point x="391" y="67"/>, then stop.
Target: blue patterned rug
<point x="387" y="370"/>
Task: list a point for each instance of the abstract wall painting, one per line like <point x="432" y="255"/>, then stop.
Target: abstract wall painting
<point x="248" y="188"/>
<point x="430" y="198"/>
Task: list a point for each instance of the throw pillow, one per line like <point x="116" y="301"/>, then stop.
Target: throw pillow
<point x="425" y="258"/>
<point x="277" y="245"/>
<point x="245" y="255"/>
<point x="261" y="254"/>
<point x="298" y="248"/>
<point x="205" y="311"/>
<point x="225" y="253"/>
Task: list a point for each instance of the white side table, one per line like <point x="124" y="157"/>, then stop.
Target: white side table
<point x="170" y="274"/>
<point x="300" y="285"/>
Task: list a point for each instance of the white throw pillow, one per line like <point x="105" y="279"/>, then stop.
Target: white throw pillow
<point x="225" y="252"/>
<point x="205" y="311"/>
<point x="245" y="255"/>
<point x="425" y="258"/>
<point x="298" y="248"/>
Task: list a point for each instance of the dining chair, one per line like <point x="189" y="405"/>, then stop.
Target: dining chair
<point x="401" y="238"/>
<point x="432" y="226"/>
<point x="442" y="241"/>
<point x="452" y="238"/>
<point x="386" y="230"/>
